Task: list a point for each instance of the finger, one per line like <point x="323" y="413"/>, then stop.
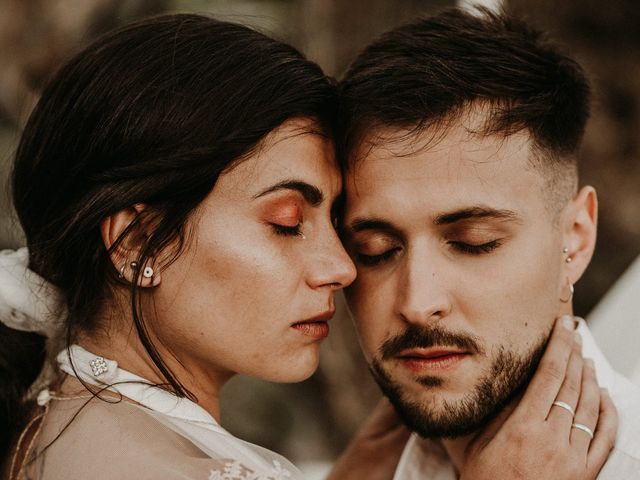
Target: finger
<point x="546" y="382"/>
<point x="486" y="434"/>
<point x="588" y="409"/>
<point x="564" y="408"/>
<point x="383" y="422"/>
<point x="605" y="435"/>
<point x="384" y="416"/>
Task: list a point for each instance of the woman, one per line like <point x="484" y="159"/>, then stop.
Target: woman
<point x="178" y="190"/>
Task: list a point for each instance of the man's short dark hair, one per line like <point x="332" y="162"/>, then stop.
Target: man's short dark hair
<point x="423" y="75"/>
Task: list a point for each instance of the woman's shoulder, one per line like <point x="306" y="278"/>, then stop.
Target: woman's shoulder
<point x="90" y="437"/>
<point x="107" y="436"/>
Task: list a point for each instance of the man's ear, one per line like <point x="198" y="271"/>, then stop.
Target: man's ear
<point x="124" y="256"/>
<point x="579" y="232"/>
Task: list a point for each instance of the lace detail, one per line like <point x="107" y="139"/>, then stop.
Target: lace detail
<point x="234" y="470"/>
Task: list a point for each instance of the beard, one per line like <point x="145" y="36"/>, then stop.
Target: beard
<point x="509" y="374"/>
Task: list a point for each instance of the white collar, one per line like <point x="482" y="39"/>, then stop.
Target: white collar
<point x="607" y="376"/>
<point x="130" y="385"/>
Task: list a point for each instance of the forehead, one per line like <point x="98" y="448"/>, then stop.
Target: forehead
<point x="297" y="151"/>
<point x="436" y="171"/>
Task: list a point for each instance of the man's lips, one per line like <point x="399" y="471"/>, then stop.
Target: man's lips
<point x="423" y="360"/>
<point x="316" y="326"/>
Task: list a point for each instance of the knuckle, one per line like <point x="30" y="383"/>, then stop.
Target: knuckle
<point x="517" y="438"/>
<point x="589" y="411"/>
<point x="547" y="456"/>
<point x="553" y="370"/>
<point x="573" y="385"/>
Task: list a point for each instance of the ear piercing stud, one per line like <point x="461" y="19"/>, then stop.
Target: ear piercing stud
<point x="568" y="259"/>
<point x="147" y="272"/>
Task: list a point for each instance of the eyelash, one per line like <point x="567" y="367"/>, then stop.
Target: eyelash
<point x="475" y="249"/>
<point x="373" y="260"/>
<point x="287" y="231"/>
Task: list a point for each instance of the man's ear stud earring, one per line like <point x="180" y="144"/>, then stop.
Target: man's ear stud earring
<point x="148" y="272"/>
<point x="566" y="250"/>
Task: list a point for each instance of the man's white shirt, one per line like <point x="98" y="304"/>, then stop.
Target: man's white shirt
<point x="424" y="458"/>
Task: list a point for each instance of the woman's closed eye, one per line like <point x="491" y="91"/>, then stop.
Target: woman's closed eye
<point x="285" y="217"/>
<point x="286" y="230"/>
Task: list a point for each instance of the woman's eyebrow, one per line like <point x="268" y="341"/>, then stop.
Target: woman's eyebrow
<point x="312" y="194"/>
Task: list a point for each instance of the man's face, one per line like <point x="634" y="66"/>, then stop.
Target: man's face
<point x="459" y="272"/>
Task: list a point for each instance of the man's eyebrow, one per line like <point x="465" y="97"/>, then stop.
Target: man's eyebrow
<point x="475" y="213"/>
<point x="310" y="193"/>
<point x="361" y="224"/>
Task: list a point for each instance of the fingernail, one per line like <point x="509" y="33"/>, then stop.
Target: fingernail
<point x="590" y="364"/>
<point x="605" y="391"/>
<point x="567" y="322"/>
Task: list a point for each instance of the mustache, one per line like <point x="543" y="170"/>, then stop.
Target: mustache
<point x="426" y="336"/>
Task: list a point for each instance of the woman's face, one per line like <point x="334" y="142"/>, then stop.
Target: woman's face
<point x="254" y="290"/>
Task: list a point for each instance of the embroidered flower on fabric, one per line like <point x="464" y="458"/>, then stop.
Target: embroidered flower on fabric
<point x="234" y="470"/>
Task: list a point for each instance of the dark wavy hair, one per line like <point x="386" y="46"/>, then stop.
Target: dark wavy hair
<point x="152" y="113"/>
<point x="423" y="75"/>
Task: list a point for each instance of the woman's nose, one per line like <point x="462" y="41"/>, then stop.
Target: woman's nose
<point x="331" y="265"/>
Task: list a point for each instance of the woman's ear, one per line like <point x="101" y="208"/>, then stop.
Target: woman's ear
<point x="579" y="232"/>
<point x="124" y="256"/>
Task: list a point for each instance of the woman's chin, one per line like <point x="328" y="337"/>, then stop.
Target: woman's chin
<point x="293" y="370"/>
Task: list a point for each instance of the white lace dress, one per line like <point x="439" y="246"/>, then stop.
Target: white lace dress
<point x="160" y="436"/>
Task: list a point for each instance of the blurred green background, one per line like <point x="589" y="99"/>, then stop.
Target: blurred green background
<point x="313" y="420"/>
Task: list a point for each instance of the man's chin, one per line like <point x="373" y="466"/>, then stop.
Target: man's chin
<point x="435" y="416"/>
<point x="449" y="419"/>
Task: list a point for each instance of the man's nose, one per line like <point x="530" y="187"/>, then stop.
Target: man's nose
<point x="422" y="293"/>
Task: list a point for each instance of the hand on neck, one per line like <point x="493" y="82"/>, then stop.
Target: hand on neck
<point x="457" y="448"/>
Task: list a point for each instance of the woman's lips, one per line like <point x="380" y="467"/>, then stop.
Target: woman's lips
<point x="315" y="327"/>
<point x="316" y="330"/>
<point x="432" y="360"/>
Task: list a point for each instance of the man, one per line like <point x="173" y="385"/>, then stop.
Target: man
<point x="467" y="227"/>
